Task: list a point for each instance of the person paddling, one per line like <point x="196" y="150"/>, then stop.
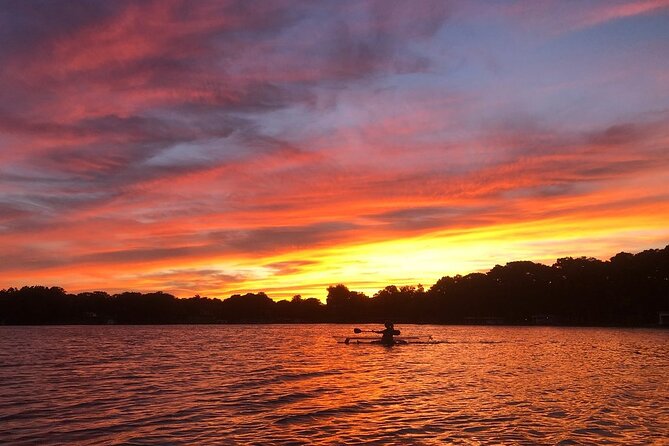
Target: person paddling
<point x="387" y="334"/>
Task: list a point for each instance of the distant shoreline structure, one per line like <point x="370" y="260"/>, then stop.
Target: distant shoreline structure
<point x="630" y="290"/>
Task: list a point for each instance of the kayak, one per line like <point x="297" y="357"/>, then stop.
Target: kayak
<point x="375" y="340"/>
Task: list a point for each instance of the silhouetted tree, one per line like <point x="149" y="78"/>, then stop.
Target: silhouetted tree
<point x="629" y="289"/>
<point x="347" y="306"/>
<point x="248" y="308"/>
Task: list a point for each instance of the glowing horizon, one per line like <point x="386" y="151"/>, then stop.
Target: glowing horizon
<point x="216" y="148"/>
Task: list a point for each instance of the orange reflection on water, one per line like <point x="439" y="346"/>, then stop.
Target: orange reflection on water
<point x="284" y="383"/>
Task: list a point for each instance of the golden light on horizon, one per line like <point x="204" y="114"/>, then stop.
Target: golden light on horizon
<point x="426" y="258"/>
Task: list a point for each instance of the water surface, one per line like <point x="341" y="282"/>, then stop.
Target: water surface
<point x="292" y="384"/>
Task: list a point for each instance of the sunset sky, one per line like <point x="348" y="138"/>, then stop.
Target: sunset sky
<point x="221" y="147"/>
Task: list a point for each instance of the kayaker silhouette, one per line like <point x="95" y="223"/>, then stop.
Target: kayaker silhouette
<point x="387" y="334"/>
<point x="387" y="337"/>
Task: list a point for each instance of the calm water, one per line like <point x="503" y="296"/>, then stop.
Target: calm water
<point x="294" y="385"/>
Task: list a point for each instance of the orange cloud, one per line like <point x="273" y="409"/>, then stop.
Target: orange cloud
<point x="215" y="148"/>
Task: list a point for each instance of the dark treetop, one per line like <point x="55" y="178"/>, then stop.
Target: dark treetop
<point x="626" y="290"/>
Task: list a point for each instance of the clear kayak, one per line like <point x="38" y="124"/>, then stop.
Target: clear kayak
<point x="375" y="340"/>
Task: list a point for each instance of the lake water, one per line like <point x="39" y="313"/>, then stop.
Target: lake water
<point x="292" y="384"/>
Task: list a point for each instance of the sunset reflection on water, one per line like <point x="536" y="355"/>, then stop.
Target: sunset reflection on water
<point x="292" y="384"/>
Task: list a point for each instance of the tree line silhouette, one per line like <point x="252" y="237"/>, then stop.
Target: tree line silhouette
<point x="627" y="290"/>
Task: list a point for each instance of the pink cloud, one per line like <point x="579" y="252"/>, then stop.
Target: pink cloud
<point x="168" y="133"/>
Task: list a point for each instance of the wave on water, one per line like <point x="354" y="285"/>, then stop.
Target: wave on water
<point x="236" y="385"/>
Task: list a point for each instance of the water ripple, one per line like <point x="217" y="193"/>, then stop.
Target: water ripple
<point x="237" y="385"/>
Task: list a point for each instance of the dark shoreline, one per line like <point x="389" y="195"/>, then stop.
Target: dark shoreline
<point x="629" y="290"/>
<point x="174" y="324"/>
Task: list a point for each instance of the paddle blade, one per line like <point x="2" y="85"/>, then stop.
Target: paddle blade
<point x="357" y="330"/>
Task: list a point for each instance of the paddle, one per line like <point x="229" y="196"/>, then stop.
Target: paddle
<point x="357" y="330"/>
